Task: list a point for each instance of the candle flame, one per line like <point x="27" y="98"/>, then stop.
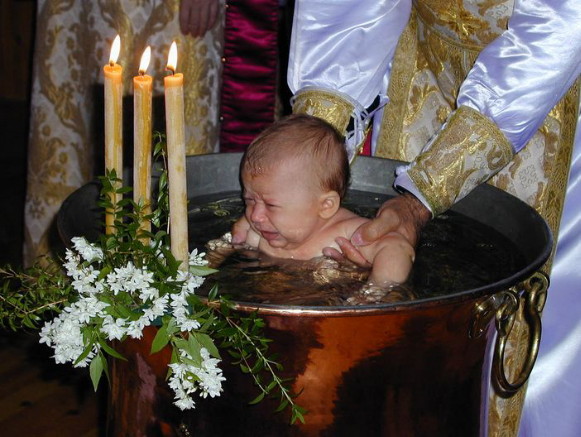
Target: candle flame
<point x="145" y="60"/>
<point x="172" y="60"/>
<point x="115" y="49"/>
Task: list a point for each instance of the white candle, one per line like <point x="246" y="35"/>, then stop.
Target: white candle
<point x="142" y="98"/>
<point x="176" y="156"/>
<point x="113" y="122"/>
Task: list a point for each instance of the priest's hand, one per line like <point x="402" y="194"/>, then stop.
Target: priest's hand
<point x="403" y="214"/>
<point x="198" y="16"/>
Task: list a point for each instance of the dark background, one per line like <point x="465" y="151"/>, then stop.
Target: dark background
<point x="16" y="41"/>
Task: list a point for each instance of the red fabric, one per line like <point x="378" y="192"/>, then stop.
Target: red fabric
<point x="250" y="71"/>
<point x="366" y="151"/>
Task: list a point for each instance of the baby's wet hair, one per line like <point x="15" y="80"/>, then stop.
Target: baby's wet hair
<point x="310" y="139"/>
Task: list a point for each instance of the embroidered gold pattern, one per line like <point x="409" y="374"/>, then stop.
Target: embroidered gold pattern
<point x="324" y="104"/>
<point x="545" y="164"/>
<point x="466" y="153"/>
<point x="416" y="108"/>
<point x="470" y="23"/>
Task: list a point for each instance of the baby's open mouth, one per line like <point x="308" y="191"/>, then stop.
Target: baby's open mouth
<point x="269" y="235"/>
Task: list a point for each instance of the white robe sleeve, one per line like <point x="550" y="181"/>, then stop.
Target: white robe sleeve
<point x="345" y="45"/>
<point x="520" y="76"/>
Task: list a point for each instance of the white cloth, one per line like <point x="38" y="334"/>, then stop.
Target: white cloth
<point x="351" y="62"/>
<point x="523" y="73"/>
<point x="553" y="400"/>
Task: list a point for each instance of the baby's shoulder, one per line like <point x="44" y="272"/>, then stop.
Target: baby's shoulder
<point x="347" y="222"/>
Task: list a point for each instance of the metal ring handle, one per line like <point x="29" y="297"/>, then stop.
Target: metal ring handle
<point x="535" y="295"/>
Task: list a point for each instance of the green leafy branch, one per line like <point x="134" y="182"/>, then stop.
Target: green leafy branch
<point x="26" y="296"/>
<point x="245" y="340"/>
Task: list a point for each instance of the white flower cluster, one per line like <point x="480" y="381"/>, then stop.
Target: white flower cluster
<point x="186" y="378"/>
<point x="65" y="333"/>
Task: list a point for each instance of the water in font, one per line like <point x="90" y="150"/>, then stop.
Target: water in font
<point x="455" y="253"/>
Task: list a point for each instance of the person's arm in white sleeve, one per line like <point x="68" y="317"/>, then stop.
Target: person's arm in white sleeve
<point x="515" y="82"/>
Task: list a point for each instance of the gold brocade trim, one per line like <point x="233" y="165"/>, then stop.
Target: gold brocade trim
<point x="416" y="108"/>
<point x="325" y="104"/>
<point x="552" y="205"/>
<point x="468" y="151"/>
<point x="468" y="22"/>
<point x="404" y="59"/>
<point x="538" y="173"/>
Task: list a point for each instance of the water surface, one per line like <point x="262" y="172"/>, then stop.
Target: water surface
<point x="456" y="253"/>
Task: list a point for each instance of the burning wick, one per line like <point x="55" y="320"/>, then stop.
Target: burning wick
<point x="145" y="58"/>
<point x="172" y="58"/>
<point x="115" y="49"/>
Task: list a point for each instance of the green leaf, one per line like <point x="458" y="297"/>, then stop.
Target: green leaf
<point x="161" y="340"/>
<point x="297" y="413"/>
<point x="104" y="272"/>
<point x="258" y="366"/>
<point x="271" y="386"/>
<point x="85" y="354"/>
<point x="234" y="354"/>
<point x="124" y="190"/>
<point x="194" y="349"/>
<point x="213" y="292"/>
<point x="282" y="406"/>
<point x="206" y="341"/>
<point x="257" y="399"/>
<point x="201" y="270"/>
<point x="172" y="326"/>
<point x="160" y="235"/>
<point x="124" y="311"/>
<point x="110" y="350"/>
<point x="180" y="343"/>
<point x="207" y="323"/>
<point x="96" y="370"/>
<point x="28" y="323"/>
<point x="105" y="368"/>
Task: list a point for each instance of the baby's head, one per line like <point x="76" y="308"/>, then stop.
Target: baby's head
<point x="309" y="141"/>
<point x="294" y="175"/>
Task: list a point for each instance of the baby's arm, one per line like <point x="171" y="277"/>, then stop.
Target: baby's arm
<point x="220" y="248"/>
<point x="242" y="233"/>
<point x="392" y="259"/>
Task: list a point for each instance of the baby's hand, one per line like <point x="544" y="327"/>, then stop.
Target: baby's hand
<point x="225" y="241"/>
<point x="219" y="249"/>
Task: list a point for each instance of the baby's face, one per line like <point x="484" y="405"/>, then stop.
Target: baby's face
<point x="283" y="204"/>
